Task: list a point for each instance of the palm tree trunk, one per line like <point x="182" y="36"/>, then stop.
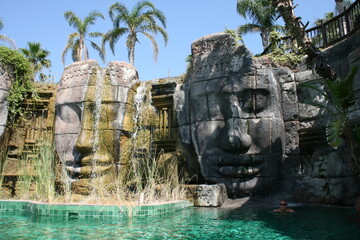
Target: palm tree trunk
<point x="81" y="48"/>
<point x="132" y="48"/>
<point x="132" y="55"/>
<point x="296" y="28"/>
<point x="265" y="39"/>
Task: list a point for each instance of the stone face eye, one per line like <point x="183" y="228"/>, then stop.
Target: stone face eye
<point x="254" y="100"/>
<point x="70" y="113"/>
<point x="262" y="100"/>
<point x="246" y="100"/>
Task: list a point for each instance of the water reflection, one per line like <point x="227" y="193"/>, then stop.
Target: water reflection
<point x="193" y="223"/>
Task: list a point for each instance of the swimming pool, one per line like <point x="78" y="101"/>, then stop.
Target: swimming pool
<point x="192" y="223"/>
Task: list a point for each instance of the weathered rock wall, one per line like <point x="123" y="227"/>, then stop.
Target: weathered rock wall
<point x="5" y="84"/>
<point x="317" y="173"/>
<point x="34" y="130"/>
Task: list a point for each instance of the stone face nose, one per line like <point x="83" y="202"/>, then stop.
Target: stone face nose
<point x="239" y="139"/>
<point x="85" y="140"/>
<point x="84" y="143"/>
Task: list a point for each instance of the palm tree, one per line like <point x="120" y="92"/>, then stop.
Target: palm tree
<point x="5" y="38"/>
<point x="263" y="18"/>
<point x="37" y="57"/>
<point x="141" y="20"/>
<point x="76" y="40"/>
<point x="292" y="23"/>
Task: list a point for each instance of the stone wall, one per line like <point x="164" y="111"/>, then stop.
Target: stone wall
<point x="313" y="171"/>
<point x="24" y="142"/>
<point x="5" y="85"/>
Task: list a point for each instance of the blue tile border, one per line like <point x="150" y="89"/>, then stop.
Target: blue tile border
<point x="90" y="211"/>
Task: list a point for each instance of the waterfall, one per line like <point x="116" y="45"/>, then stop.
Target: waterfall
<point x="138" y="102"/>
<point x="100" y="75"/>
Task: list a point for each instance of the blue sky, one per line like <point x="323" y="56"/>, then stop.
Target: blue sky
<point x="187" y="20"/>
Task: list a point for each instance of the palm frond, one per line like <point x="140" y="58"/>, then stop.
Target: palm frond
<point x="319" y="105"/>
<point x="142" y="19"/>
<point x="95" y="34"/>
<point x="99" y="49"/>
<point x="154" y="45"/>
<point x="117" y="11"/>
<point x="70" y="44"/>
<point x="93" y="15"/>
<point x="7" y="40"/>
<point x="76" y="52"/>
<point x="113" y="36"/>
<point x="72" y="19"/>
<point x="248" y="28"/>
<point x="334" y="132"/>
<point x="318" y="89"/>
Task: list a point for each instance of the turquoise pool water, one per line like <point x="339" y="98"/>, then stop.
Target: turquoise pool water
<point x="192" y="223"/>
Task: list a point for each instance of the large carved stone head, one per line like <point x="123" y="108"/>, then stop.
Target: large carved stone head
<point x="91" y="119"/>
<point x="232" y="116"/>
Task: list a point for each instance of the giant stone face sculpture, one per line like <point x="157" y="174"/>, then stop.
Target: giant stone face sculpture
<point x="91" y="120"/>
<point x="232" y="117"/>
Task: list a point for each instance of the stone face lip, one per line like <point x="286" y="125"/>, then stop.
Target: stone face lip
<point x="235" y="125"/>
<point x="91" y="106"/>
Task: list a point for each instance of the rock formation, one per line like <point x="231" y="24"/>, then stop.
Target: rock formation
<point x="94" y="120"/>
<point x="232" y="117"/>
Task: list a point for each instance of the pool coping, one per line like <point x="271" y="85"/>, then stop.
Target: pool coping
<point x="85" y="211"/>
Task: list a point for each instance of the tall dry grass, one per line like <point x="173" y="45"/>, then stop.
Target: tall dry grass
<point x="36" y="176"/>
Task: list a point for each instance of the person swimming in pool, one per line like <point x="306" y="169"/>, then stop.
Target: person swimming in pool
<point x="283" y="207"/>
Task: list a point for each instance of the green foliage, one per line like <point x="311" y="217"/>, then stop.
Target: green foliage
<point x="37" y="171"/>
<point x="189" y="62"/>
<point x="45" y="175"/>
<point x="38" y="59"/>
<point x="263" y="16"/>
<point x="234" y="34"/>
<point x="142" y="19"/>
<point x="76" y="40"/>
<point x="285" y="59"/>
<point x="341" y="97"/>
<point x="22" y="88"/>
<point x="278" y="53"/>
<point x="25" y="180"/>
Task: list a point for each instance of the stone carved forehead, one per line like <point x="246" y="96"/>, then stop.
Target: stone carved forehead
<point x="122" y="73"/>
<point x="211" y="43"/>
<point x="77" y="74"/>
<point x="218" y="55"/>
<point x="78" y="82"/>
